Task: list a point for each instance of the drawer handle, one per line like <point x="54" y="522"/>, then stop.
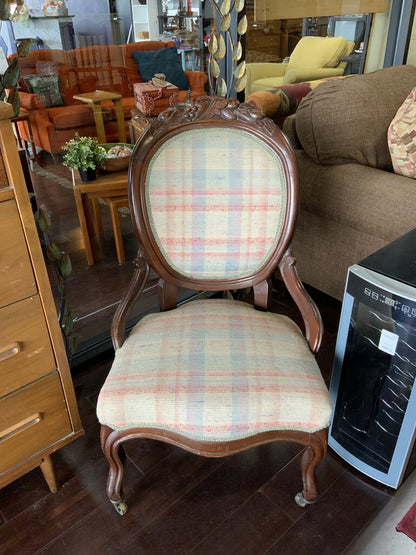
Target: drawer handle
<point x="20" y="426"/>
<point x="10" y="351"/>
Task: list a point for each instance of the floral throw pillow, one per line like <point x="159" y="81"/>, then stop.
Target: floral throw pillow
<point x="47" y="87"/>
<point x="401" y="137"/>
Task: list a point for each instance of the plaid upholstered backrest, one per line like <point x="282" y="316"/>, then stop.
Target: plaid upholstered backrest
<point x="216" y="199"/>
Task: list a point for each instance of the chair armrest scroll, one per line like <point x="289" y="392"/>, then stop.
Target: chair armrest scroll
<point x="311" y="316"/>
<point x="137" y="283"/>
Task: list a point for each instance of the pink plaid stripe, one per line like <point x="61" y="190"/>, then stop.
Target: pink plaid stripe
<point x="175" y="371"/>
<point x="217" y="202"/>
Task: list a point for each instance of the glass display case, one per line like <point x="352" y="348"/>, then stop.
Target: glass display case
<point x="187" y="22"/>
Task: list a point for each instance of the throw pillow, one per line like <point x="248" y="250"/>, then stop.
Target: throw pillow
<point x="401" y="137"/>
<point x="47" y="87"/>
<point x="166" y="60"/>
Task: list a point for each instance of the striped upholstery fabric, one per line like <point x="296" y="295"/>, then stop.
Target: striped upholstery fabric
<point x="176" y="371"/>
<point x="194" y="181"/>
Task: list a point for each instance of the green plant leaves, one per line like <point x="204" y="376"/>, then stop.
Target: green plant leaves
<point x="222" y="49"/>
<point x="11" y="75"/>
<point x="225" y="7"/>
<point x="14" y="100"/>
<point x="242" y="26"/>
<point x="218" y="44"/>
<point x="83" y="153"/>
<point x="241" y="83"/>
<point x="225" y="23"/>
<point x="238" y="51"/>
<point x="4" y="10"/>
<point x="65" y="265"/>
<point x="53" y="252"/>
<point x="240" y="70"/>
<point x="222" y="88"/>
<point x="24" y="47"/>
<point x="214" y="68"/>
<point x="213" y="44"/>
<point x="43" y="220"/>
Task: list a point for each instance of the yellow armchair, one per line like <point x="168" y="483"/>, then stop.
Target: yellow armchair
<point x="313" y="58"/>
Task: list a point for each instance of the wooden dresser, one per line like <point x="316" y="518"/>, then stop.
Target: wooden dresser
<point x="38" y="409"/>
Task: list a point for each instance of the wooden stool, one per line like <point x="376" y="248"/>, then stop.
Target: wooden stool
<point x="94" y="99"/>
<point x="114" y="203"/>
<point x="112" y="188"/>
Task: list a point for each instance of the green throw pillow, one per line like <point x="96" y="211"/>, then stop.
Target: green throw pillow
<point x="46" y="86"/>
<point x="166" y="60"/>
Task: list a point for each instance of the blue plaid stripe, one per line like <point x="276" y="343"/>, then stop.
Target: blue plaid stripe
<point x="177" y="370"/>
<point x="214" y="212"/>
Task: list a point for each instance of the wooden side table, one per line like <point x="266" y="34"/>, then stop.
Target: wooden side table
<point x="112" y="188"/>
<point x="94" y="99"/>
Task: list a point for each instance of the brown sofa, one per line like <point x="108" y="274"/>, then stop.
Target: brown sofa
<point x="351" y="202"/>
<point x="110" y="68"/>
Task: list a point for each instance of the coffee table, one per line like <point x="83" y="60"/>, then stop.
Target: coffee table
<point x="112" y="189"/>
<point x="94" y="99"/>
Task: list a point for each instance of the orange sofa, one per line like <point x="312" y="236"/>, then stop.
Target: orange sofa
<point x="110" y="68"/>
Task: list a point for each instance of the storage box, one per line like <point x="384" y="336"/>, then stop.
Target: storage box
<point x="152" y="100"/>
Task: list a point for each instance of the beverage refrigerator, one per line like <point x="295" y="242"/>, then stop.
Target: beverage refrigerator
<point x="372" y="385"/>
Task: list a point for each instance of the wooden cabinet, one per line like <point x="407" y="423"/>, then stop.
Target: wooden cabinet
<point x="263" y="42"/>
<point x="38" y="409"/>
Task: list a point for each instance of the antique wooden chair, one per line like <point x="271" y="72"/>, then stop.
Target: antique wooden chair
<point x="213" y="195"/>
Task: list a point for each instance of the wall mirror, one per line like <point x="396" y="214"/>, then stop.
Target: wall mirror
<point x="94" y="290"/>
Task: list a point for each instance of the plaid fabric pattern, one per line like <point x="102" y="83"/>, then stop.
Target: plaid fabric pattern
<point x="177" y="371"/>
<point x="216" y="200"/>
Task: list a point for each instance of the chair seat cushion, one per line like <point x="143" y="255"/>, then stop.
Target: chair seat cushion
<point x="255" y="374"/>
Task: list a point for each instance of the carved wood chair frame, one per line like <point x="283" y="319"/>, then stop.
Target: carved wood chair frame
<point x="201" y="114"/>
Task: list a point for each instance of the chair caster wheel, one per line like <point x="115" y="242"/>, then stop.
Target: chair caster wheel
<point x="301" y="501"/>
<point x="120" y="507"/>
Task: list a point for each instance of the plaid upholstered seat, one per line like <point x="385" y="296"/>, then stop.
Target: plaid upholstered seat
<point x="213" y="196"/>
<point x="168" y="377"/>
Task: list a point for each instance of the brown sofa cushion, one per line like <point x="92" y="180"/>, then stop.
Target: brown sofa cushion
<point x="347" y="120"/>
<point x="71" y="117"/>
<point x="101" y="67"/>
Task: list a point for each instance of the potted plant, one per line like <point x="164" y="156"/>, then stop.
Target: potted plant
<point x="84" y="154"/>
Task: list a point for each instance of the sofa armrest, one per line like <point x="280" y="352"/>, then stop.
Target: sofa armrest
<point x="30" y="101"/>
<point x="266" y="69"/>
<point x="254" y="72"/>
<point x="289" y="129"/>
<point x="197" y="81"/>
<point x="311" y="74"/>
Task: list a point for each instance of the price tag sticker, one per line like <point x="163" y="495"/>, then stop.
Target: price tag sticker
<point x="388" y="342"/>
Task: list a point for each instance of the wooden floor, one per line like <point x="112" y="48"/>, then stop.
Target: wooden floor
<point x="179" y="502"/>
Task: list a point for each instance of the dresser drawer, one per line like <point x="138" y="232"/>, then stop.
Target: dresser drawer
<point x="16" y="276"/>
<point x="265" y="41"/>
<point x="25" y="350"/>
<point x="31" y="420"/>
